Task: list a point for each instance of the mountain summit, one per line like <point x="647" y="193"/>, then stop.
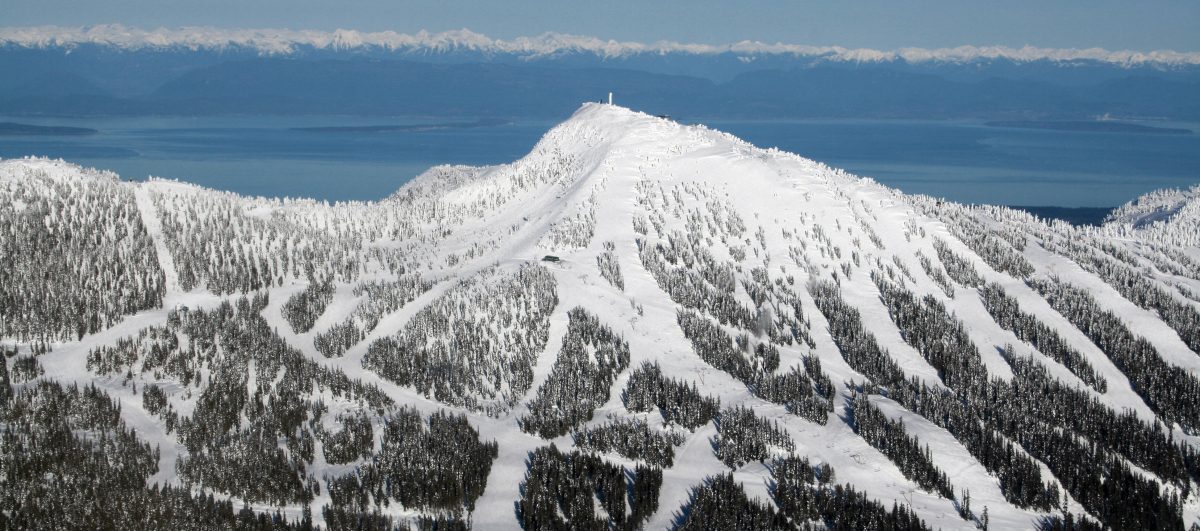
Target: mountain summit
<point x="638" y="324"/>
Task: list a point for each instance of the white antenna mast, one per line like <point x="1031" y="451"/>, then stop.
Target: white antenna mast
<point x="610" y="98"/>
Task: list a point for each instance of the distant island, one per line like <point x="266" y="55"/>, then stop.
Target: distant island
<point x="411" y="128"/>
<point x="16" y="129"/>
<point x="1072" y="215"/>
<point x="1098" y="126"/>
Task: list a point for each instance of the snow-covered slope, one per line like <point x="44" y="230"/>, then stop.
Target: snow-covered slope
<point x="702" y="329"/>
<point x="1169" y="217"/>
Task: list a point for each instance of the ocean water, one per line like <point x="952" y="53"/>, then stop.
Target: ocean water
<point x="961" y="161"/>
<point x="973" y="163"/>
<point x="268" y="156"/>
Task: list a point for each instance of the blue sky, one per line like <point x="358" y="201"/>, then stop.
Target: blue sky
<point x="1145" y="25"/>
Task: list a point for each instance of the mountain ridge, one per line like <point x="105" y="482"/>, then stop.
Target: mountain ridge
<point x="286" y="41"/>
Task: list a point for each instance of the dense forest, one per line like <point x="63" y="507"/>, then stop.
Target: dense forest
<point x="77" y="257"/>
<point x="591" y="358"/>
<point x="474" y="346"/>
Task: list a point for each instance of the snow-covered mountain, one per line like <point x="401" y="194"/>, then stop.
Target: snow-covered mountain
<point x="639" y="324"/>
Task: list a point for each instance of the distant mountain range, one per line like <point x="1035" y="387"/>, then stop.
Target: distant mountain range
<point x="290" y="42"/>
<point x="125" y="71"/>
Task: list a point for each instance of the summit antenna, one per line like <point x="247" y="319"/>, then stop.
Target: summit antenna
<point x="610" y="98"/>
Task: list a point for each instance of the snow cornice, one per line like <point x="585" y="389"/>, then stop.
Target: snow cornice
<point x="286" y="41"/>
